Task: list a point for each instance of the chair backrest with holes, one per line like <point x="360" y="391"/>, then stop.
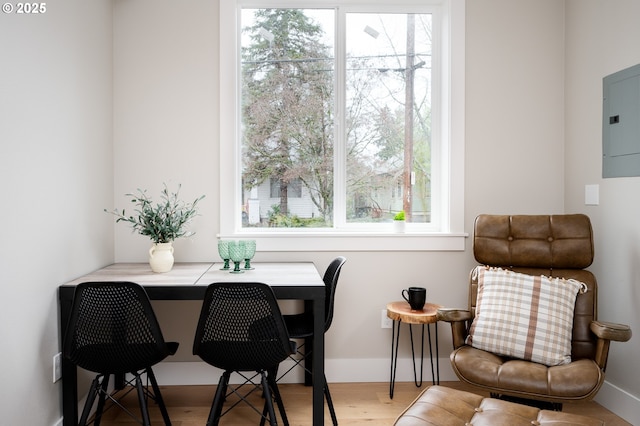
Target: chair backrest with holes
<point x="113" y="329"/>
<point x="241" y="328"/>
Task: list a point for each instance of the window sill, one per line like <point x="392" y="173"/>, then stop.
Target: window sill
<point x="353" y="241"/>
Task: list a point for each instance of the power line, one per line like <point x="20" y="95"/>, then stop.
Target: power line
<point x="287" y="60"/>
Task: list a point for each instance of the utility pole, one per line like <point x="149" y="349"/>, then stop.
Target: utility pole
<point x="408" y="116"/>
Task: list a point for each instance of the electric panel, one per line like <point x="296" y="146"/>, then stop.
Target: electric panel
<point x="621" y="123"/>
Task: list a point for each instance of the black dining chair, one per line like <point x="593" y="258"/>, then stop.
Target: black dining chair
<point x="113" y="331"/>
<point x="300" y="326"/>
<point x="241" y="329"/>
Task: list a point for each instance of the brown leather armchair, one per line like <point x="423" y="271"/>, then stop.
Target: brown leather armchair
<point x="554" y="246"/>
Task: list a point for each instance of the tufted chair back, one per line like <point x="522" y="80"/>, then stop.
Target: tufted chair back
<point x="554" y="246"/>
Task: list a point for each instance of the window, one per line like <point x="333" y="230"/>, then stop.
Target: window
<point x="341" y="116"/>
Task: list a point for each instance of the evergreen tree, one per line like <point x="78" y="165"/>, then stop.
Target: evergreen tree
<point x="288" y="106"/>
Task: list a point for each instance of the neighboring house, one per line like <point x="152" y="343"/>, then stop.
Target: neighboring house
<point x="383" y="202"/>
<point x="260" y="201"/>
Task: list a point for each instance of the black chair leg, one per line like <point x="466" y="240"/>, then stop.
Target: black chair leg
<point x="142" y="401"/>
<point x="327" y="395"/>
<point x="308" y="362"/>
<point x="271" y="378"/>
<point x="91" y="397"/>
<point x="102" y="396"/>
<point x="265" y="413"/>
<point x="272" y="382"/>
<point x="267" y="400"/>
<point x="157" y="396"/>
<point x="218" y="400"/>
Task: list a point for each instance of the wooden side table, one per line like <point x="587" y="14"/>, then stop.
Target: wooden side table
<point x="400" y="312"/>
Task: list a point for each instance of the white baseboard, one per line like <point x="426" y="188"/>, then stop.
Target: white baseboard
<point x="337" y="370"/>
<point x="201" y="373"/>
<point x="620" y="402"/>
<point x="379" y="370"/>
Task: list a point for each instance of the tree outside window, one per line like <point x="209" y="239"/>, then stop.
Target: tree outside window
<point x="287" y="104"/>
<point x="292" y="86"/>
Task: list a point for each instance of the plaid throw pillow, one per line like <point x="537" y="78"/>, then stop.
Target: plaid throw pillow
<point x="524" y="316"/>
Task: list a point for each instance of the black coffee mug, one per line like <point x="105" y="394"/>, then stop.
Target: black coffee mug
<point x="416" y="296"/>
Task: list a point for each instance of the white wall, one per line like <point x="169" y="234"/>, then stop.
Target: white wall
<point x="166" y="114"/>
<point x="514" y="130"/>
<point x="56" y="171"/>
<point x="602" y="38"/>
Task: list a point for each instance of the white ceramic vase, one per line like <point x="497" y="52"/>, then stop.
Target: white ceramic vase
<point x="398" y="226"/>
<point x="161" y="257"/>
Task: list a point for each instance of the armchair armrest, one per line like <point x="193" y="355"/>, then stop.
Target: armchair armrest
<point x="606" y="332"/>
<point x="459" y="319"/>
<point x="611" y="331"/>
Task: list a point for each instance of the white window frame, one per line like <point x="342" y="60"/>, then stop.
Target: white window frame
<point x="449" y="237"/>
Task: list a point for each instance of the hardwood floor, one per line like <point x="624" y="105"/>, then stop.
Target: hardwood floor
<point x="356" y="404"/>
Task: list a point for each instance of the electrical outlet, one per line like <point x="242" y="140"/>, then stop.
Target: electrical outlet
<point x="386" y="322"/>
<point x="57" y="367"/>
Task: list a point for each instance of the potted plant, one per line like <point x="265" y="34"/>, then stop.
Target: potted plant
<point x="162" y="222"/>
<point x="398" y="221"/>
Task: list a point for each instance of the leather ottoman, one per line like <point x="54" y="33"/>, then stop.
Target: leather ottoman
<point x="442" y="406"/>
